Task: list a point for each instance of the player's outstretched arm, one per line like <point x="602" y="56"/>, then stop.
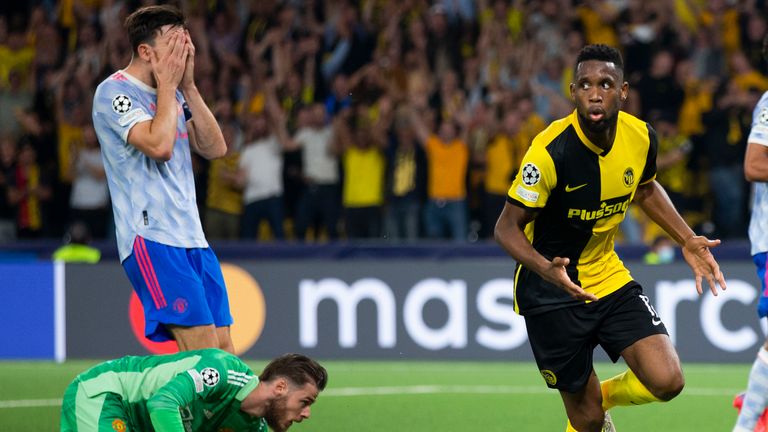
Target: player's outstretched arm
<point x="655" y="202"/>
<point x="510" y="234"/>
<point x="205" y="136"/>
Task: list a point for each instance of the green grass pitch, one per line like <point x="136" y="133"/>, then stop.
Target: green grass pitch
<point x="420" y="396"/>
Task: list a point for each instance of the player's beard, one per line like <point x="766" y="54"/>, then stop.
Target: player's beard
<point x="275" y="415"/>
<point x="599" y="126"/>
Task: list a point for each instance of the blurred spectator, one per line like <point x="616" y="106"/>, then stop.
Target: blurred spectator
<point x="29" y="191"/>
<point x="502" y="160"/>
<point x="443" y="42"/>
<point x="76" y="247"/>
<point x="598" y="17"/>
<point x="296" y="88"/>
<point x="546" y="22"/>
<point x="445" y="213"/>
<point x="660" y="92"/>
<point x="339" y="97"/>
<point x="347" y="43"/>
<point x="722" y="148"/>
<point x="16" y="53"/>
<point x="631" y="227"/>
<point x="638" y="27"/>
<point x="720" y="19"/>
<point x="260" y="175"/>
<point x="89" y="53"/>
<point x="474" y="87"/>
<point x="224" y="201"/>
<point x="7" y="168"/>
<point x="71" y="106"/>
<point x="15" y="99"/>
<point x="89" y="201"/>
<point x="752" y="33"/>
<point x="745" y="76"/>
<point x="482" y="125"/>
<point x="662" y="251"/>
<point x="672" y="163"/>
<point x="224" y="36"/>
<point x="405" y="182"/>
<point x="319" y="205"/>
<point x="361" y="147"/>
<point x="449" y="99"/>
<point x="697" y="98"/>
<point x="707" y="55"/>
<point x="549" y="101"/>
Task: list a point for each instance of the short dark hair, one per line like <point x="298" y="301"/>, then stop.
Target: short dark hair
<point x="297" y="368"/>
<point x="602" y="53"/>
<point x="143" y="24"/>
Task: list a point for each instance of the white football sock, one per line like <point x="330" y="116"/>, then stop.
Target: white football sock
<point x="756" y="395"/>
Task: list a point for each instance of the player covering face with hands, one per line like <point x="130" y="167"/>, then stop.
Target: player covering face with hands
<point x="172" y="57"/>
<point x="203" y="390"/>
<point x="148" y="118"/>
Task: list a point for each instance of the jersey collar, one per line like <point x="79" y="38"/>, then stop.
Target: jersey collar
<point x="247" y="389"/>
<point x="140" y="84"/>
<point x="577" y="127"/>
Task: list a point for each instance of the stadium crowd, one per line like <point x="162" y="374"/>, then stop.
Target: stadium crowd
<point x="396" y="119"/>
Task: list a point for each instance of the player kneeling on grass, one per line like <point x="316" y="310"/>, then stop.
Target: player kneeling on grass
<point x="204" y="390"/>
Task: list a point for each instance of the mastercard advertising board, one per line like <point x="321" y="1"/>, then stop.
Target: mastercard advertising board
<point x="398" y="309"/>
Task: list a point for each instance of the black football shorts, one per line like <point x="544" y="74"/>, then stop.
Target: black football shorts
<point x="563" y="340"/>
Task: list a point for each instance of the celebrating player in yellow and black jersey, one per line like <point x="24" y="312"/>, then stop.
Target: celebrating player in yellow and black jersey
<point x="564" y="207"/>
<point x="580" y="193"/>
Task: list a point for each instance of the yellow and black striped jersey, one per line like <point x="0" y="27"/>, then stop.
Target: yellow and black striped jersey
<point x="580" y="194"/>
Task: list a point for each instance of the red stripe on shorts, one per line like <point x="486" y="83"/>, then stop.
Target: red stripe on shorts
<point x="141" y="259"/>
<point x="153" y="274"/>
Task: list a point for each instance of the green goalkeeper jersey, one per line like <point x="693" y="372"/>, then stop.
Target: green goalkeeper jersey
<point x="196" y="391"/>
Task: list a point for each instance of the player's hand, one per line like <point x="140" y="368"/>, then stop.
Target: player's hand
<point x="557" y="275"/>
<point x="188" y="80"/>
<point x="699" y="258"/>
<point x="169" y="69"/>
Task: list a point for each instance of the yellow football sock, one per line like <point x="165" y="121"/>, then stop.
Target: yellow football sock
<point x="625" y="389"/>
<point x="569" y="427"/>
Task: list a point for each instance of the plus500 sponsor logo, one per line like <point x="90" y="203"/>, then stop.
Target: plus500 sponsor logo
<point x="501" y="329"/>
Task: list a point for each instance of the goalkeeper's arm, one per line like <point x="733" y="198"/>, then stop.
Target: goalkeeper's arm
<point x="164" y="405"/>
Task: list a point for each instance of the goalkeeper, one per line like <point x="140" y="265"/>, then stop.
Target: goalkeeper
<point x="203" y="390"/>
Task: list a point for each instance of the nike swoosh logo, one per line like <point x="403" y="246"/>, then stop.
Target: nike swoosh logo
<point x="655" y="321"/>
<point x="568" y="188"/>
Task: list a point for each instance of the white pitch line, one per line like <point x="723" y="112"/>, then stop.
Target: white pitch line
<point x="500" y="368"/>
<point x="406" y="390"/>
<point x="484" y="389"/>
<point x="432" y="389"/>
<point x="495" y="367"/>
<point x="30" y="403"/>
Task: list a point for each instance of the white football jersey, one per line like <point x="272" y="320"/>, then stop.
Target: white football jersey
<point x="758" y="225"/>
<point x="150" y="198"/>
